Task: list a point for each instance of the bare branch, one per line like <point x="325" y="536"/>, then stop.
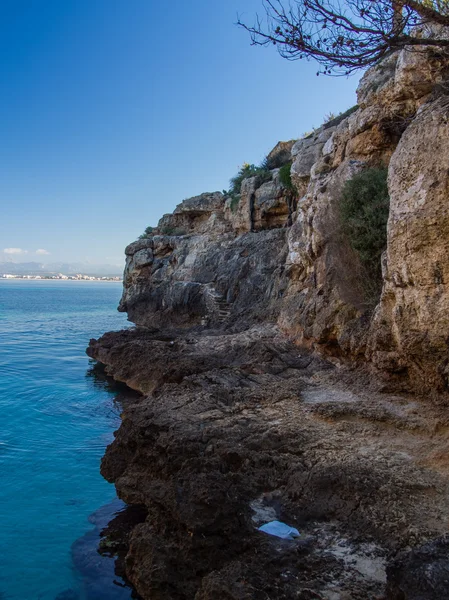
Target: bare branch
<point x="346" y="36"/>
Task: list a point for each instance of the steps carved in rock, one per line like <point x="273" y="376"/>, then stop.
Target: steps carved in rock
<point x="219" y="309"/>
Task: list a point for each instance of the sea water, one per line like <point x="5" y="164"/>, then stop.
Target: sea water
<point x="56" y="419"/>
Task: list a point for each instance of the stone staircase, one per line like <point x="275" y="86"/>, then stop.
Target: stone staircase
<point x="219" y="308"/>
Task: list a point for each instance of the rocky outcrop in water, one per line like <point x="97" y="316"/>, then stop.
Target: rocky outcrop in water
<point x="272" y="389"/>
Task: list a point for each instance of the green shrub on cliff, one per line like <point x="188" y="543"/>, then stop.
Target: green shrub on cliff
<point x="167" y="230"/>
<point x="245" y="172"/>
<point x="285" y="177"/>
<point x="234" y="203"/>
<point x="147" y="233"/>
<point x="364" y="211"/>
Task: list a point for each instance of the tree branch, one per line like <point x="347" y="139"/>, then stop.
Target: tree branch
<point x="345" y="36"/>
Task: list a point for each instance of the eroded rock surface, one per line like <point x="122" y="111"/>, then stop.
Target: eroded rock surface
<point x="422" y="573"/>
<point x="240" y="428"/>
<point x="410" y="328"/>
<point x="185" y="281"/>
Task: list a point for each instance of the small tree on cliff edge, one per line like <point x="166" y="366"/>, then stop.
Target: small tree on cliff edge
<point x="346" y="36"/>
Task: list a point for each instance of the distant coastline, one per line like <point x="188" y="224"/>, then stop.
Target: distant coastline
<point x="60" y="277"/>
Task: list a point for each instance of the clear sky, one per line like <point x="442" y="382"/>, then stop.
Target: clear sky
<point x="114" y="111"/>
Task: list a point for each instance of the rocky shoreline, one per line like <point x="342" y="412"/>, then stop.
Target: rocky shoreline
<point x="242" y="428"/>
<point x="272" y="389"/>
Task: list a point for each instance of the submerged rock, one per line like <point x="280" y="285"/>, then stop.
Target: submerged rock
<point x="98" y="556"/>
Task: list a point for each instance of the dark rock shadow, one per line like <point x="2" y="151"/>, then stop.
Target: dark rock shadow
<point x="98" y="378"/>
<point x="99" y="555"/>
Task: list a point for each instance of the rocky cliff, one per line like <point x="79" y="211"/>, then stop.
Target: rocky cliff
<point x="267" y="256"/>
<point x="251" y="317"/>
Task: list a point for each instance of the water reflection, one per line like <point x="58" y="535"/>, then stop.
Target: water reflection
<point x="98" y="556"/>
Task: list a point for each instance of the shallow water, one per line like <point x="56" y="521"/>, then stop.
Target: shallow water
<point x="56" y="419"/>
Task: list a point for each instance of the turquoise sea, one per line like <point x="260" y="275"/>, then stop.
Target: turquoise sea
<point x="56" y="419"/>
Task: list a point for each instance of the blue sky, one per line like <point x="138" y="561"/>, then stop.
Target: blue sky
<point x="113" y="111"/>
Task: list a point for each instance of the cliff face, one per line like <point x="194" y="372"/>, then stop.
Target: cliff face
<point x="409" y="331"/>
<point x="201" y="272"/>
<point x="247" y="310"/>
<point x="269" y="256"/>
<point x="400" y="123"/>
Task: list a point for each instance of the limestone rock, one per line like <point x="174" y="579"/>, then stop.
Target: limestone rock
<point x="242" y="216"/>
<point x="403" y="81"/>
<point x="139" y="245"/>
<point x="306" y="152"/>
<point x="234" y="422"/>
<point x="324" y="302"/>
<point x="143" y="258"/>
<point x="280" y="155"/>
<point x="200" y="214"/>
<point x="415" y="298"/>
<point x="271" y="204"/>
<point x="205" y="280"/>
<point x="202" y="261"/>
<point x="323" y="298"/>
<point x="202" y="204"/>
<point x="376" y="80"/>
